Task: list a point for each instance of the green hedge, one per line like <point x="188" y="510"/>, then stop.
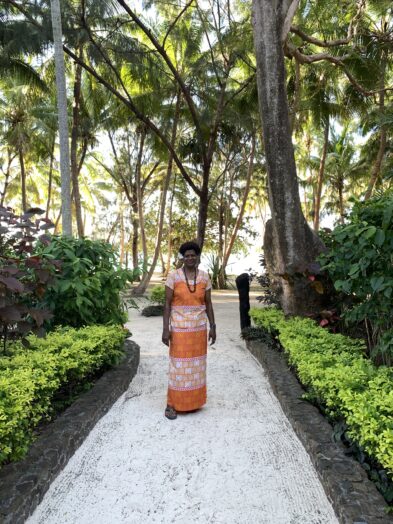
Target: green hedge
<point x="29" y="378"/>
<point x="341" y="378"/>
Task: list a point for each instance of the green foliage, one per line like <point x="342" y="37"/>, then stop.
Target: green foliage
<point x="157" y="295"/>
<point x="340" y="378"/>
<point x="29" y="378"/>
<point x="87" y="290"/>
<point x="359" y="261"/>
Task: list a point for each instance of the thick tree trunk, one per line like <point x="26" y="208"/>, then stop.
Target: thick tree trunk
<point x="74" y="147"/>
<point x="321" y="173"/>
<point x="23" y="180"/>
<point x="289" y="243"/>
<point x="63" y="119"/>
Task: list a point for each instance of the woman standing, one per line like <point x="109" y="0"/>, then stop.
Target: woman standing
<point x="188" y="305"/>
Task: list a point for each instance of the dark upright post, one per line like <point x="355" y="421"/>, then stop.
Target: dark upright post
<point x="243" y="288"/>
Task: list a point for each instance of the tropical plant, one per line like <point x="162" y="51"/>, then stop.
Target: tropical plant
<point x="24" y="275"/>
<point x="89" y="288"/>
<point x="359" y="261"/>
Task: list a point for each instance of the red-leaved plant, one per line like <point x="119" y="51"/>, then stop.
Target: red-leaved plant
<point x="23" y="275"/>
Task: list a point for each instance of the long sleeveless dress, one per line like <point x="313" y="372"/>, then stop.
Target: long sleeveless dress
<point x="188" y="342"/>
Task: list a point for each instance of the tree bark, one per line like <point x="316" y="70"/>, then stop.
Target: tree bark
<point x="289" y="243"/>
<point x="74" y="146"/>
<point x="66" y="213"/>
<point x="321" y="173"/>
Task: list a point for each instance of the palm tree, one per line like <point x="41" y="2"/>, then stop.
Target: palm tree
<point x="63" y="119"/>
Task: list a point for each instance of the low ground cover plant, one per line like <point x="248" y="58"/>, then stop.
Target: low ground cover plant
<point x="31" y="377"/>
<point x="339" y="376"/>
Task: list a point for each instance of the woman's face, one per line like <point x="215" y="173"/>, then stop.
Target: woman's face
<point x="190" y="258"/>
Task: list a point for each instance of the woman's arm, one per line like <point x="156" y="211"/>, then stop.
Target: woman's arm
<point x="167" y="312"/>
<point x="210" y="316"/>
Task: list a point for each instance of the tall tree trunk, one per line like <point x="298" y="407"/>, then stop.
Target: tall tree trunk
<point x="23" y="179"/>
<point x="138" y="185"/>
<point x="50" y="178"/>
<point x="141" y="288"/>
<point x="63" y="121"/>
<point x="121" y="215"/>
<point x="239" y="219"/>
<point x="341" y="201"/>
<point x="289" y="243"/>
<point x="74" y="146"/>
<point x="7" y="174"/>
<point x="376" y="169"/>
<point x="170" y="212"/>
<point x="321" y="173"/>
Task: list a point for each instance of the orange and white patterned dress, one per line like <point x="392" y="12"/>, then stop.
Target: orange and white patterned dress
<point x="188" y="342"/>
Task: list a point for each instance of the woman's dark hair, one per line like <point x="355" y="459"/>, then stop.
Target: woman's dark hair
<point x="188" y="246"/>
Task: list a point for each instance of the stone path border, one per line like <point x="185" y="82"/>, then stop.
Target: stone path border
<point x="24" y="484"/>
<point x="354" y="497"/>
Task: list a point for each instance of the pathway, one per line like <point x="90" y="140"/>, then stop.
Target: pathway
<point x="237" y="461"/>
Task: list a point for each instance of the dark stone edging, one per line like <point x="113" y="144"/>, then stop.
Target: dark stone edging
<point x="354" y="497"/>
<point x="24" y="484"/>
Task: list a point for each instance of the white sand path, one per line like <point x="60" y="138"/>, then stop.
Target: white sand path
<point x="236" y="461"/>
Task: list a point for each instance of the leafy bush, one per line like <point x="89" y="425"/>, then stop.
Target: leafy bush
<point x="359" y="261"/>
<point x="87" y="291"/>
<point x="340" y="378"/>
<point x="23" y="276"/>
<point x="30" y="378"/>
<point x="157" y="295"/>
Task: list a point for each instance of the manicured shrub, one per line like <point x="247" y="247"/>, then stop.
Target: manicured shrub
<point x="157" y="295"/>
<point x="339" y="376"/>
<point x="359" y="261"/>
<point x="31" y="377"/>
<point x="88" y="288"/>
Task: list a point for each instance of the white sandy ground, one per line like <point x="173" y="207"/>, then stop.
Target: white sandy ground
<point x="236" y="461"/>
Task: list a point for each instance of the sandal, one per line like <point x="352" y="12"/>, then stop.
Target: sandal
<point x="170" y="413"/>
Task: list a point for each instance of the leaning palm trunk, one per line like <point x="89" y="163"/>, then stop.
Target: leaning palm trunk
<point x="239" y="219"/>
<point x="63" y="122"/>
<point x="290" y="246"/>
<point x="74" y="148"/>
<point x="141" y="288"/>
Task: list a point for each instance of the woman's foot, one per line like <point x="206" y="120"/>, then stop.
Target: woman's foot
<point x="170" y="413"/>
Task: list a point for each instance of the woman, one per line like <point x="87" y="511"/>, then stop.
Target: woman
<point x="188" y="305"/>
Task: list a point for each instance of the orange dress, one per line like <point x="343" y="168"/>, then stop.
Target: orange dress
<point x="188" y="342"/>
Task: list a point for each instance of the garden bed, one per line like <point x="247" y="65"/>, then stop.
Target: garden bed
<point x="334" y="372"/>
<point x="24" y="483"/>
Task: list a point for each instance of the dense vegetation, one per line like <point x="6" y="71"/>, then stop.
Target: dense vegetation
<point x="340" y="379"/>
<point x="52" y="369"/>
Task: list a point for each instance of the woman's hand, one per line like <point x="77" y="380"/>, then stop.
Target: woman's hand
<point x="212" y="335"/>
<point x="166" y="336"/>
